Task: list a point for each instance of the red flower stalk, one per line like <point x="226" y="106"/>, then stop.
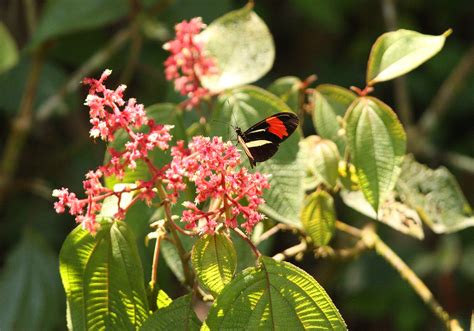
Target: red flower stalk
<point x="211" y="165"/>
<point x="187" y="61"/>
<point x="109" y="112"/>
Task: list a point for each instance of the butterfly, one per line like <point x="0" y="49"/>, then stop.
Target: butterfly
<point x="260" y="142"/>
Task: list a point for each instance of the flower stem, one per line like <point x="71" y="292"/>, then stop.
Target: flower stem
<point x="156" y="256"/>
<point x="248" y="241"/>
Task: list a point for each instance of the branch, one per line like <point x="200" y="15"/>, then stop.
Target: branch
<point x="21" y="125"/>
<point x="94" y="62"/>
<point x="290" y="252"/>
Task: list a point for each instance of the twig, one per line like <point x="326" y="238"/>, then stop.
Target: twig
<point x="402" y="97"/>
<point x="372" y="240"/>
<point x="21" y="125"/>
<point x="94" y="62"/>
<point x="290" y="252"/>
<point x="343" y="253"/>
<point x="270" y="232"/>
<point x="450" y="87"/>
<point x="30" y="13"/>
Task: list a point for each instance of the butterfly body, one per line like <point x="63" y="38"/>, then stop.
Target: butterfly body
<point x="260" y="142"/>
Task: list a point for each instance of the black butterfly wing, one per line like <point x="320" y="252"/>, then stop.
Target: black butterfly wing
<point x="263" y="138"/>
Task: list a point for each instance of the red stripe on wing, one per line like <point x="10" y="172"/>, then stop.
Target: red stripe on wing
<point x="277" y="127"/>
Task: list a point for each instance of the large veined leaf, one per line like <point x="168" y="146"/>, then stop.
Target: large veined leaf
<point x="242" y="48"/>
<point x="398" y="52"/>
<point x="288" y="89"/>
<point x="435" y="195"/>
<point x="377" y="144"/>
<point x="248" y="105"/>
<point x="321" y="159"/>
<point x="330" y="103"/>
<point x="103" y="279"/>
<point x="61" y="17"/>
<point x="274" y="296"/>
<point x="164" y="113"/>
<point x="30" y="295"/>
<point x="178" y="315"/>
<point x="8" y="49"/>
<point x="319" y="217"/>
<point x="214" y="260"/>
<point x="392" y="212"/>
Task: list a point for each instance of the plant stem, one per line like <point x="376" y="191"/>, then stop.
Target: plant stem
<point x="372" y="240"/>
<point x="248" y="241"/>
<point x="21" y="125"/>
<point x="290" y="252"/>
<point x="30" y="15"/>
<point x="183" y="255"/>
<point x="73" y="83"/>
<point x="156" y="257"/>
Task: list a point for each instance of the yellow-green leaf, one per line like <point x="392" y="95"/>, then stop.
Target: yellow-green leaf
<point x="275" y="296"/>
<point x="398" y="52"/>
<point x="330" y="105"/>
<point x="319" y="217"/>
<point x="214" y="260"/>
<point x="8" y="49"/>
<point x="242" y="46"/>
<point x="377" y="144"/>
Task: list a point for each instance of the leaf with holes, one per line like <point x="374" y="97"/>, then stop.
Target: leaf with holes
<point x="103" y="279"/>
<point x="377" y="144"/>
<point x="214" y="259"/>
<point x="330" y="103"/>
<point x="275" y="295"/>
<point x="319" y="217"/>
<point x="242" y="47"/>
<point x="435" y="195"/>
<point x="248" y="105"/>
<point x="398" y="52"/>
<point x="178" y="315"/>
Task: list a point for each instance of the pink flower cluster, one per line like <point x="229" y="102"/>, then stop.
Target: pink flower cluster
<point x="211" y="165"/>
<point x="188" y="62"/>
<point x="109" y="112"/>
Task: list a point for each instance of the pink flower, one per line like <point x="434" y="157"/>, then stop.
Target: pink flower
<point x="188" y="62"/>
<point x="227" y="192"/>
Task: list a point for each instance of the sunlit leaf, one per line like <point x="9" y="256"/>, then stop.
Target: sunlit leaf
<point x="178" y="315"/>
<point x="330" y="103"/>
<point x="103" y="279"/>
<point x="321" y="159"/>
<point x="398" y="52"/>
<point x="392" y="212"/>
<point x="275" y="295"/>
<point x="435" y="195"/>
<point x="214" y="260"/>
<point x="377" y="144"/>
<point x="288" y="88"/>
<point x="242" y="47"/>
<point x="319" y="217"/>
<point x="8" y="49"/>
<point x="30" y="292"/>
<point x="248" y="105"/>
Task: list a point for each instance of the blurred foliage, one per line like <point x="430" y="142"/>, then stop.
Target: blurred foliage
<point x="329" y="38"/>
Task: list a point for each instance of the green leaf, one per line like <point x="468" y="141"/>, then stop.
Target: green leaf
<point x="330" y="103"/>
<point x="30" y="293"/>
<point x="319" y="217"/>
<point x="248" y="105"/>
<point x="61" y="17"/>
<point x="242" y="47"/>
<point x="288" y="89"/>
<point x="8" y="49"/>
<point x="162" y="299"/>
<point x="103" y="279"/>
<point x="435" y="195"/>
<point x="321" y="159"/>
<point x="392" y="212"/>
<point x="164" y="113"/>
<point x="179" y="315"/>
<point x="215" y="260"/>
<point x="398" y="52"/>
<point x="377" y="143"/>
<point x="276" y="295"/>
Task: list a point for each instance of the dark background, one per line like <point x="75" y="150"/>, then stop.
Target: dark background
<point x="329" y="38"/>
